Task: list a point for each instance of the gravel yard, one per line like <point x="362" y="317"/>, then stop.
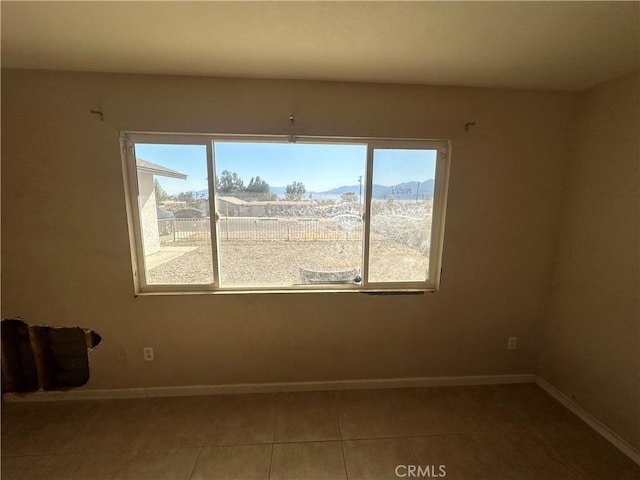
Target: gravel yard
<point x="278" y="262"/>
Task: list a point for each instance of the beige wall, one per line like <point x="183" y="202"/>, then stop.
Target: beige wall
<point x="592" y="338"/>
<point x="65" y="246"/>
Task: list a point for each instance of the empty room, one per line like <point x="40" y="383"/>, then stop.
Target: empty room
<point x="320" y="240"/>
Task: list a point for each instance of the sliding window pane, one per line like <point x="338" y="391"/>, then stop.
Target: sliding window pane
<point x="289" y="214"/>
<point x="173" y="201"/>
<point x="401" y="209"/>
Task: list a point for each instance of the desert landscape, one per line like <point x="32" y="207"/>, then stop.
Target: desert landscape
<point x="268" y="251"/>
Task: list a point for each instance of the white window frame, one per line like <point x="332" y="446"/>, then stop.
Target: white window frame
<point x="441" y="180"/>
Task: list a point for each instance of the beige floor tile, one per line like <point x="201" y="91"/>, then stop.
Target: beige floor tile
<point x="307" y="461"/>
<point x="16" y="415"/>
<point x="118" y="425"/>
<point x="162" y="464"/>
<point x="504" y="455"/>
<point x="69" y="410"/>
<point x="306" y="417"/>
<point x="31" y="467"/>
<point x="178" y="422"/>
<point x="505" y="431"/>
<point x="377" y="459"/>
<point x="81" y="466"/>
<point x="47" y="427"/>
<point x="233" y="462"/>
<point x="38" y="438"/>
<point x="423" y="412"/>
<point x="533" y="406"/>
<point x="439" y="410"/>
<point x="243" y="419"/>
<point x="368" y="414"/>
<point x="590" y="453"/>
<point x="462" y="456"/>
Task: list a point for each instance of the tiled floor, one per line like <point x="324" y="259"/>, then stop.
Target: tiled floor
<point x="493" y="432"/>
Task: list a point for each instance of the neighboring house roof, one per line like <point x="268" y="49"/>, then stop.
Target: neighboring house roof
<point x="153" y="169"/>
<point x="232" y="200"/>
<point x="282" y="203"/>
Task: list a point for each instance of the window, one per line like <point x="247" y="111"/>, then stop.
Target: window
<point x="247" y="213"/>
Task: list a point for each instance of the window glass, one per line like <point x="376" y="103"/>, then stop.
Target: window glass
<point x="401" y="211"/>
<point x="173" y="207"/>
<point x="289" y="213"/>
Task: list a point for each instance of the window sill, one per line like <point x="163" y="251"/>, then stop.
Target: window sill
<point x="275" y="291"/>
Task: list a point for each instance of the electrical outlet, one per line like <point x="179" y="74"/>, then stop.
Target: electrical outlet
<point x="512" y="343"/>
<point x="148" y="353"/>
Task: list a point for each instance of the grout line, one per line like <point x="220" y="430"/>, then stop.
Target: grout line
<point x="195" y="464"/>
<point x="356" y="439"/>
<point x="273" y="431"/>
<point x="344" y="461"/>
<point x="335" y="396"/>
<point x="270" y="460"/>
<point x="337" y="410"/>
<point x="275" y="417"/>
<point x="322" y="440"/>
<point x="284" y="442"/>
<point x="566" y="462"/>
<point x="94" y="452"/>
<point x="413" y="452"/>
<point x="206" y="437"/>
<point x="211" y="423"/>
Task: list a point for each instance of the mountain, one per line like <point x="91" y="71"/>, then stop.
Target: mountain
<point x="344" y="189"/>
<point x="401" y="190"/>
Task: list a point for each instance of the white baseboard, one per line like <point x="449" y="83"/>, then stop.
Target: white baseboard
<point x="196" y="390"/>
<point x="617" y="441"/>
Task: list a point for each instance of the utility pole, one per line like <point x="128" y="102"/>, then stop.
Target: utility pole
<point x="360" y="198"/>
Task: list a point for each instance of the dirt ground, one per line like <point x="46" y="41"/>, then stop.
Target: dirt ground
<point x="278" y="262"/>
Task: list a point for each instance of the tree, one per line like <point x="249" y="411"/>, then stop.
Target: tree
<point x="187" y="197"/>
<point x="348" y="197"/>
<point x="295" y="191"/>
<point x="257" y="185"/>
<point x="229" y="182"/>
<point x="161" y="195"/>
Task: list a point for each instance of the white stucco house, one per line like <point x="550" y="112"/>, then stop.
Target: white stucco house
<point x="147" y="201"/>
<point x="236" y="207"/>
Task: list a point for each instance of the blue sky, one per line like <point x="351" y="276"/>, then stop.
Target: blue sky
<point x="319" y="167"/>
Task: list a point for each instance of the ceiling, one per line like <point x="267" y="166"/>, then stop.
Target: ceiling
<point x="532" y="45"/>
